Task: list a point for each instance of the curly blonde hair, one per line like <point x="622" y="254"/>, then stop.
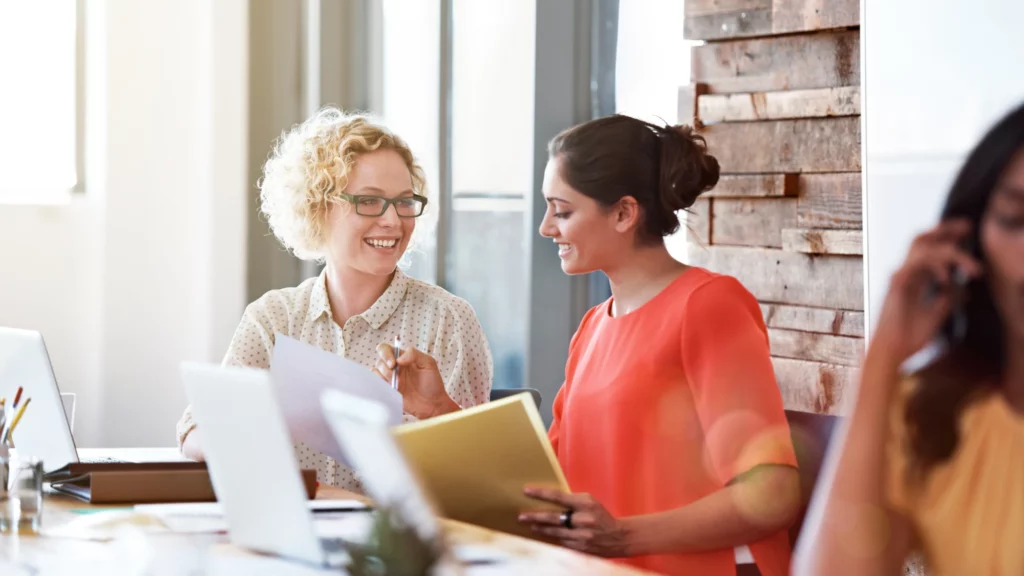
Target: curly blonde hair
<point x="309" y="168"/>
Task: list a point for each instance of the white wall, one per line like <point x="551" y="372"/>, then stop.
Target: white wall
<point x="148" y="267"/>
<point x="935" y="76"/>
<point x="49" y="281"/>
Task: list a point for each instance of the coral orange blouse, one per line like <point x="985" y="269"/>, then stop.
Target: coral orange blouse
<point x="665" y="405"/>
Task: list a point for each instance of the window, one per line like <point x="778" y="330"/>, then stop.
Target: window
<point x="492" y="170"/>
<point x="39" y="72"/>
<point x="652" y="62"/>
<point x="411" y="57"/>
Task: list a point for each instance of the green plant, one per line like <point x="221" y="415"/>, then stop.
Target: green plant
<point x="394" y="549"/>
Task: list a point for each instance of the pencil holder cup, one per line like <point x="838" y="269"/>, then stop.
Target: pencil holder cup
<point x="21" y="494"/>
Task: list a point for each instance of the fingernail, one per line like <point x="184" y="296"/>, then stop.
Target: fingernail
<point x="522" y="518"/>
<point x="391" y="363"/>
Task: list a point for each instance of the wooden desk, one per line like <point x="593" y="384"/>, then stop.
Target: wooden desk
<point x="212" y="554"/>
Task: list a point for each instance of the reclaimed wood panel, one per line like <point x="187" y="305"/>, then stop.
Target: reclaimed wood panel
<point x="820" y="145"/>
<point x="751" y="222"/>
<point x="686" y="112"/>
<point x="815" y="386"/>
<point x="789" y="277"/>
<point x="841" y="350"/>
<point x="830" y="201"/>
<point x="723" y="25"/>
<point x="818" y="320"/>
<point x="816" y="103"/>
<point x="700" y="7"/>
<point x="816" y="241"/>
<point x="698" y="221"/>
<point x="737" y="19"/>
<point x="755" y="186"/>
<point x="798" y="15"/>
<point x="799" y="62"/>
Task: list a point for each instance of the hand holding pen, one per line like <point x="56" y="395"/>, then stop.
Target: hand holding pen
<point x="420" y="383"/>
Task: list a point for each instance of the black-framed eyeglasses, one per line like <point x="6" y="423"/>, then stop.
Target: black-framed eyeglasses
<point x="406" y="206"/>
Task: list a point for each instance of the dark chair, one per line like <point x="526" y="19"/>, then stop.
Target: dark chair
<point x="500" y="393"/>
<point x="811" y="435"/>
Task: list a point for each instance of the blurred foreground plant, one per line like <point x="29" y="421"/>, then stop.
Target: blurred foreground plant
<point x="394" y="549"/>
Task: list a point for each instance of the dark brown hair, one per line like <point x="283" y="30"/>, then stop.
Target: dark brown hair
<point x="975" y="363"/>
<point x="665" y="168"/>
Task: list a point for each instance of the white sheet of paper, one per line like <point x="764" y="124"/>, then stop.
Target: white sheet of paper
<point x="302" y="372"/>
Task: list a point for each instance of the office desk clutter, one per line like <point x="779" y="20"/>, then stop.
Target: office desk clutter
<point x="250" y="491"/>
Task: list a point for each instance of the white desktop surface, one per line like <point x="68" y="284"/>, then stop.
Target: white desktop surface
<point x="175" y="553"/>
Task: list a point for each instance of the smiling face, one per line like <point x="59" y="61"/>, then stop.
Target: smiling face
<point x="371" y="244"/>
<point x="1002" y="242"/>
<point x="589" y="236"/>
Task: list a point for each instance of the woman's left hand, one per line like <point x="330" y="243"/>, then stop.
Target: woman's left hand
<point x="592" y="529"/>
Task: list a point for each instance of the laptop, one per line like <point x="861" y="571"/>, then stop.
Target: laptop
<point x="254" y="471"/>
<point x="44" y="430"/>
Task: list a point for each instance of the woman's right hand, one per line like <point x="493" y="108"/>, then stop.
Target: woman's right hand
<point x="909" y="318"/>
<point x="419" y="381"/>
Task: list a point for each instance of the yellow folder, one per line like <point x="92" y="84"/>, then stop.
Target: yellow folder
<point x="475" y="462"/>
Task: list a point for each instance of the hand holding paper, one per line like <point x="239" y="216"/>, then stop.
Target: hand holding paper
<point x="302" y="372"/>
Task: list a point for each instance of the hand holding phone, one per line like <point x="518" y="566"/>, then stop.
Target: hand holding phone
<point x="928" y="292"/>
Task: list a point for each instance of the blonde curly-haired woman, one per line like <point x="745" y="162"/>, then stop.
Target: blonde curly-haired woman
<point x="344" y="190"/>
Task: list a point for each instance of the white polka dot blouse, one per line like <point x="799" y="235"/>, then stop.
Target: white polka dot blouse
<point x="419" y="314"/>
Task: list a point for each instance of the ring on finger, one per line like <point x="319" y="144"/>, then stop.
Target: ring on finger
<point x="566" y="519"/>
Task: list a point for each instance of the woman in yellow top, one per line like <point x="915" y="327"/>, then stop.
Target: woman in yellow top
<point x="935" y="462"/>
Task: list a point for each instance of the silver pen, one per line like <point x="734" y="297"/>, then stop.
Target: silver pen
<point x="394" y="373"/>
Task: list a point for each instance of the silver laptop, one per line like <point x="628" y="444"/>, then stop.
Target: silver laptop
<point x="44" y="430"/>
<point x="254" y="470"/>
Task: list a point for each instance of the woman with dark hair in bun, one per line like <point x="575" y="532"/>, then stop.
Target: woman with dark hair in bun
<point x="669" y="426"/>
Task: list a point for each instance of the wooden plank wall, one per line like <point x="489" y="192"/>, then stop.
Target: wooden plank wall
<point x="776" y="91"/>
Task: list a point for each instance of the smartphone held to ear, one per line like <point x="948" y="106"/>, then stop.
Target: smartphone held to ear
<point x="955" y="327"/>
<point x="953" y="330"/>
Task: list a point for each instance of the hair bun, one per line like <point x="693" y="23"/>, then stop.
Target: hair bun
<point x="687" y="170"/>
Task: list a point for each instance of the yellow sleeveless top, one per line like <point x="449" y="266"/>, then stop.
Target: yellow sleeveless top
<point x="969" y="511"/>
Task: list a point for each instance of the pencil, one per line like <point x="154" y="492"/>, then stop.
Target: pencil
<point x="17" y="396"/>
<point x="17" y="418"/>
